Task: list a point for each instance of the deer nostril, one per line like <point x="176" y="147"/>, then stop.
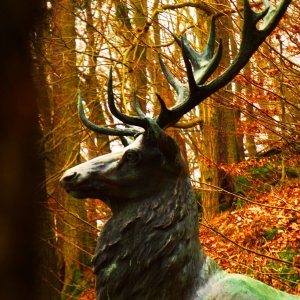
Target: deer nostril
<point x="70" y="178"/>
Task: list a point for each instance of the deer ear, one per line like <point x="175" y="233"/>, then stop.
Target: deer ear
<point x="156" y="137"/>
<point x="169" y="147"/>
<point x="152" y="132"/>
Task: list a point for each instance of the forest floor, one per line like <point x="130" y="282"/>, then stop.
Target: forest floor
<point x="261" y="238"/>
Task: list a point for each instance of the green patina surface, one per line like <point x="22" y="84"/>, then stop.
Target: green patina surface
<point x="224" y="286"/>
<point x="110" y="268"/>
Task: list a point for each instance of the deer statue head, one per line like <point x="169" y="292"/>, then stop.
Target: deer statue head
<point x="130" y="175"/>
<point x="150" y="249"/>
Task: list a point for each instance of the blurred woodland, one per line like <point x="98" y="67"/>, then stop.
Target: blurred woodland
<point x="242" y="144"/>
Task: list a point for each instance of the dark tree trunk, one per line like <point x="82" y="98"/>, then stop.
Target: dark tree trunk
<point x="22" y="169"/>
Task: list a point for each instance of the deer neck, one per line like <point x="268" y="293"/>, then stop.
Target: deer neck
<point x="152" y="246"/>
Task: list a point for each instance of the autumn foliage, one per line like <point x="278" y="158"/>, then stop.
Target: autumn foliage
<point x="261" y="237"/>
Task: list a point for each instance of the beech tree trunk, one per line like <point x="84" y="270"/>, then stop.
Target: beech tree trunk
<point x="220" y="144"/>
<point x="71" y="213"/>
<point x="93" y="91"/>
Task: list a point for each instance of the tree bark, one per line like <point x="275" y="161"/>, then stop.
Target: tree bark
<point x="71" y="213"/>
<point x="219" y="138"/>
<point x="24" y="251"/>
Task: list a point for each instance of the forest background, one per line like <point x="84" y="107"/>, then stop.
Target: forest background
<point x="242" y="144"/>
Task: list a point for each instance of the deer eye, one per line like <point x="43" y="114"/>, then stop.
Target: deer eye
<point x="132" y="156"/>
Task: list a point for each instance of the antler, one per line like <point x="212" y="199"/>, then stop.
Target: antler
<point x="129" y="120"/>
<point x="200" y="67"/>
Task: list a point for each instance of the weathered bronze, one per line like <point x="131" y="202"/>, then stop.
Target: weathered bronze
<point x="150" y="248"/>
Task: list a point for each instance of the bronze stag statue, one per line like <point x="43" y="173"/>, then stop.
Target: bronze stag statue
<point x="150" y="249"/>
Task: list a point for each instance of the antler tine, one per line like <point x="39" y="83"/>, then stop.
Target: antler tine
<point x="204" y="65"/>
<point x="209" y="48"/>
<point x="189" y="68"/>
<point x="252" y="38"/>
<point x="124" y="141"/>
<point x="137" y="106"/>
<point x="101" y="129"/>
<point x="174" y="82"/>
<point x="130" y="120"/>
